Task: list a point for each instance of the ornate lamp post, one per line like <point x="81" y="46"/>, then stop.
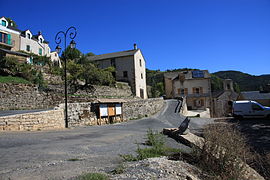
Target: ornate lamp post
<point x="71" y="32"/>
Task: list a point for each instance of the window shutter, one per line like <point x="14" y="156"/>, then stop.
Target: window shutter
<point x="9" y="39"/>
<point x="202" y="102"/>
<point x="201" y="90"/>
<point x="179" y="91"/>
<point x="186" y="91"/>
<point x="194" y="90"/>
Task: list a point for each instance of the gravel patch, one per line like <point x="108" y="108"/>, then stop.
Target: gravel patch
<point x="158" y="168"/>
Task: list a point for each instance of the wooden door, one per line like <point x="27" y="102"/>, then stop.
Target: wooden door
<point x="111" y="110"/>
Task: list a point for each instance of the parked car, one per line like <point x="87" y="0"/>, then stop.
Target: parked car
<point x="250" y="109"/>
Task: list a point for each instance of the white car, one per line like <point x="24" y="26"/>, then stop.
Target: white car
<point x="250" y="109"/>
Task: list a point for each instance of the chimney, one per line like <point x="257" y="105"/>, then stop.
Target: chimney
<point x="39" y="32"/>
<point x="135" y="46"/>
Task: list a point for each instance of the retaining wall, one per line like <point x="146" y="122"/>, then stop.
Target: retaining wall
<point x="45" y="120"/>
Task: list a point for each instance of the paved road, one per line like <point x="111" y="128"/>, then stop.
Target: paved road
<point x="14" y="112"/>
<point x="46" y="155"/>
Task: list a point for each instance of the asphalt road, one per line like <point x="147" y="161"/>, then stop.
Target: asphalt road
<point x="14" y="112"/>
<point x="47" y="154"/>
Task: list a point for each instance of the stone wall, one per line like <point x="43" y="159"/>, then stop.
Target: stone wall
<point x="79" y="114"/>
<point x="134" y="109"/>
<point x="45" y="120"/>
<point x="27" y="96"/>
<point x="86" y="114"/>
<point x="122" y="90"/>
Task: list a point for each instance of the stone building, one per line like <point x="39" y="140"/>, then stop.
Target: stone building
<point x="194" y="85"/>
<point x="222" y="100"/>
<point x="262" y="97"/>
<point x="129" y="67"/>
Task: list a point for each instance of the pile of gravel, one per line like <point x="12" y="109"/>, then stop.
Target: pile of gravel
<point x="158" y="168"/>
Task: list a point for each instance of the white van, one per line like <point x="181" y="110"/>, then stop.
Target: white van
<point x="250" y="109"/>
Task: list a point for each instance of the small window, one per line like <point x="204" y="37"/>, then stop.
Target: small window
<point x="141" y="75"/>
<point x="28" y="48"/>
<point x="197" y="90"/>
<point x="28" y="36"/>
<point x="113" y="62"/>
<point x="40" y="40"/>
<point x="55" y="55"/>
<point x="140" y="62"/>
<point x="4" y="23"/>
<point x="40" y="51"/>
<point x="125" y="74"/>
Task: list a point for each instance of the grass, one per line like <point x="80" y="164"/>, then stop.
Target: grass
<point x="93" y="176"/>
<point x="119" y="169"/>
<point x="14" y="80"/>
<point x="157" y="148"/>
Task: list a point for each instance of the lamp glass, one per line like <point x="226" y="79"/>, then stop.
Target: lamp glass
<point x="72" y="44"/>
<point x="58" y="49"/>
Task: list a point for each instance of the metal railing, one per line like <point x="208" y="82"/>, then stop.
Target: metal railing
<point x="10" y="43"/>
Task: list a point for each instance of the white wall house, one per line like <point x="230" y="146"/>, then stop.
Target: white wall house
<point x="34" y="44"/>
<point x="129" y="66"/>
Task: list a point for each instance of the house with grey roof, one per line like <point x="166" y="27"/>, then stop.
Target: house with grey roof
<point x="129" y="67"/>
<point x="262" y="97"/>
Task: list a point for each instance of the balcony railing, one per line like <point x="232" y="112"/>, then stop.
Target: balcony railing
<point x="10" y="43"/>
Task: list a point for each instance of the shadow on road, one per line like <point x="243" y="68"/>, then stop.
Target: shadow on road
<point x="257" y="132"/>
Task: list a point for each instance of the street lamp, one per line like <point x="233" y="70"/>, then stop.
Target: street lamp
<point x="72" y="32"/>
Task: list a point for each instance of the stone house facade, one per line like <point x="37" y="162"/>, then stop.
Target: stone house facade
<point x="194" y="85"/>
<point x="222" y="100"/>
<point x="129" y="67"/>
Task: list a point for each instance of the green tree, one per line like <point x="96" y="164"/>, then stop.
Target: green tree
<point x="90" y="54"/>
<point x="71" y="53"/>
<point x="74" y="72"/>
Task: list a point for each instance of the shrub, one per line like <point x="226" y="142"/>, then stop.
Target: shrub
<point x="92" y="176"/>
<point x="157" y="149"/>
<point x="223" y="153"/>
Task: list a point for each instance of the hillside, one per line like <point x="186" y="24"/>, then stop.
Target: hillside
<point x="245" y="81"/>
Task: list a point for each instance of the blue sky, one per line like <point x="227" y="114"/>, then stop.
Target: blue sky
<point x="205" y="34"/>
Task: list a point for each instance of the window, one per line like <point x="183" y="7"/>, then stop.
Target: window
<point x="197" y="90"/>
<point x="113" y="62"/>
<point x="28" y="36"/>
<point x="40" y="40"/>
<point x="141" y="75"/>
<point x="256" y="107"/>
<point x="140" y="62"/>
<point x="28" y="48"/>
<point x="181" y="91"/>
<point x="4" y="23"/>
<point x="125" y="74"/>
<point x="40" y="51"/>
<point x="5" y="38"/>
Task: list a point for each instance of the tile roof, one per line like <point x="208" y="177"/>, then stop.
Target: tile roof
<point x="253" y="95"/>
<point x="113" y="55"/>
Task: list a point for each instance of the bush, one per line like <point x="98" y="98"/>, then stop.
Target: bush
<point x="157" y="141"/>
<point x="92" y="176"/>
<point x="223" y="153"/>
